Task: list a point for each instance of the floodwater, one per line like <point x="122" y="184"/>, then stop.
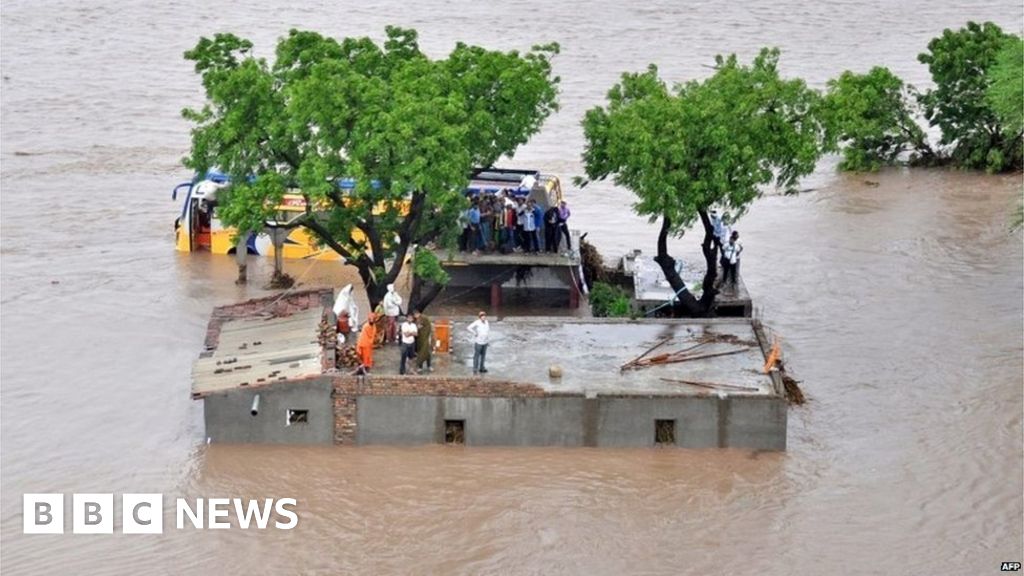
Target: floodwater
<point x="898" y="295"/>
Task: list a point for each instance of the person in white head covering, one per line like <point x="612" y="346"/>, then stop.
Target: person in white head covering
<point x="392" y="309"/>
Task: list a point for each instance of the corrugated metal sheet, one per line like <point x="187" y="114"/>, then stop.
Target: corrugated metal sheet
<point x="258" y="351"/>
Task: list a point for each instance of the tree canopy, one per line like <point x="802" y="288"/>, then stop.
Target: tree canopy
<point x="701" y="144"/>
<point x="960" y="62"/>
<point x="1005" y="94"/>
<point x="407" y="128"/>
<point x="976" y="104"/>
<point x="872" y="117"/>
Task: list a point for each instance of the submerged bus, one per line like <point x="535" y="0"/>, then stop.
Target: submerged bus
<point x="197" y="228"/>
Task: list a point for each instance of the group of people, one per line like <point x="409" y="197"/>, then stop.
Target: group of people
<point x="506" y="223"/>
<point x="729" y="244"/>
<point x="414" y="333"/>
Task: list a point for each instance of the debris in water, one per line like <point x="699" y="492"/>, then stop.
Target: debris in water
<point x="793" y="392"/>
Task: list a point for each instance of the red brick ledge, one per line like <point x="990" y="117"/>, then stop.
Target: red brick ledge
<point x="273" y="306"/>
<point x="392" y="385"/>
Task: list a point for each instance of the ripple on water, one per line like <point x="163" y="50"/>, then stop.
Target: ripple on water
<point x="899" y="305"/>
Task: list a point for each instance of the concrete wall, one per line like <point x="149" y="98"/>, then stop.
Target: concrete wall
<point x="228" y="417"/>
<point x="630" y="421"/>
<point x="700" y="422"/>
<point x="550" y="421"/>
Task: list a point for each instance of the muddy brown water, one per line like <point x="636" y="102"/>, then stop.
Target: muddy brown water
<point x="900" y="305"/>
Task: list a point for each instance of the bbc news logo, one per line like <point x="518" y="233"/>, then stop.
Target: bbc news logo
<point x="144" y="513"/>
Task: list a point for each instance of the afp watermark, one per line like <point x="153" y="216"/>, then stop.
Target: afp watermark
<point x="144" y="513"/>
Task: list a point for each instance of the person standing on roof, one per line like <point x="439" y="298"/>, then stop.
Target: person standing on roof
<point x="520" y="221"/>
<point x="408" y="334"/>
<point x="486" y="222"/>
<point x="380" y="325"/>
<point x="731" y="261"/>
<point x="563" y="226"/>
<point x="392" y="309"/>
<point x="511" y="232"/>
<point x="538" y="221"/>
<point x="475" y="239"/>
<point x="481" y="331"/>
<point x="718" y="228"/>
<point x="364" y="345"/>
<point x="424" y="341"/>
<point x="530" y="227"/>
<point x="551" y="230"/>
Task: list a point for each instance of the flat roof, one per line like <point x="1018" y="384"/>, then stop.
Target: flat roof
<point x="651" y="287"/>
<point x="725" y="355"/>
<point x="544" y="259"/>
<point x="254" y="351"/>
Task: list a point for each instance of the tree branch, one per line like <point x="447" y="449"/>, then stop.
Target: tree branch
<point x="325" y="236"/>
<point x="405" y="233"/>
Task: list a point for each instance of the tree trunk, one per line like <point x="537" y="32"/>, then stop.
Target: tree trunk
<point x="423" y="293"/>
<point x="279" y="235"/>
<point x="279" y="279"/>
<point x="241" y="251"/>
<point x="687" y="305"/>
<point x="375" y="290"/>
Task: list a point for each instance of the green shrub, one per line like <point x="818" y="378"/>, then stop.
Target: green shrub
<point x="607" y="300"/>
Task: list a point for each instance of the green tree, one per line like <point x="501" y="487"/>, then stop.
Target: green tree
<point x="872" y="117"/>
<point x="960" y="63"/>
<point x="715" y="142"/>
<point x="407" y="128"/>
<point x="1005" y="94"/>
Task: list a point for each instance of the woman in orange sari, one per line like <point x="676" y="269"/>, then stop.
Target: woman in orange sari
<point x="364" y="346"/>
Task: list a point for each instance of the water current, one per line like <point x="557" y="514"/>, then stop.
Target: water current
<point x="898" y="296"/>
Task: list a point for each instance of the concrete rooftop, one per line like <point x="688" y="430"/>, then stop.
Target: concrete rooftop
<point x="590" y="352"/>
<point x="255" y="351"/>
<point x="651" y="287"/>
<point x="544" y="259"/>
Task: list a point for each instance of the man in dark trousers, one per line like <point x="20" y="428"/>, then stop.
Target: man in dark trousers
<point x="563" y="226"/>
<point x="551" y="230"/>
<point x="731" y="261"/>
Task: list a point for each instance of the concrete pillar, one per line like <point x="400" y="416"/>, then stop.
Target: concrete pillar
<point x="574" y="292"/>
<point x="495" y="296"/>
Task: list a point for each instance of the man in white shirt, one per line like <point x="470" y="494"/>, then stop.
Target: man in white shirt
<point x="731" y="260"/>
<point x="392" y="308"/>
<point x="481" y="331"/>
<point x="408" y="331"/>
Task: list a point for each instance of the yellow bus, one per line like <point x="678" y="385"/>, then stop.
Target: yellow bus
<point x="197" y="228"/>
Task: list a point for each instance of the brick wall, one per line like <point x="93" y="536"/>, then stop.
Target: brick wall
<point x="347" y="390"/>
<point x="344" y="419"/>
<point x="276" y="306"/>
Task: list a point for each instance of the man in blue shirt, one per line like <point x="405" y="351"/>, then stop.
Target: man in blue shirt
<point x="538" y="220"/>
<point x="474" y="226"/>
<point x="530" y="227"/>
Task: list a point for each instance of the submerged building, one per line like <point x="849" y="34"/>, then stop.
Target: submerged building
<point x="268" y="375"/>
